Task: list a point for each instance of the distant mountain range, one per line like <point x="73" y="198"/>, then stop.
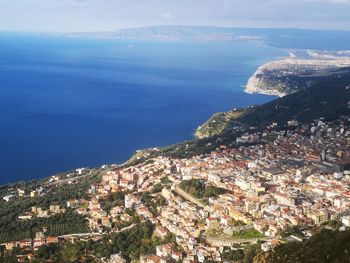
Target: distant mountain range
<point x="174" y="33"/>
<point x="283" y="38"/>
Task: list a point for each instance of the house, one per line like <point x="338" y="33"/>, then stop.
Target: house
<point x="318" y="216"/>
<point x="346" y="221"/>
<point x="10" y="245"/>
<point x="177" y="256"/>
<point x="214" y="178"/>
<point x="52" y="240"/>
<point x="226" y="220"/>
<point x="21" y="192"/>
<point x="130" y="200"/>
<point x="239" y="216"/>
<point x="34" y="193"/>
<point x="151" y="259"/>
<point x="267" y="246"/>
<point x="73" y="203"/>
<point x="161" y="231"/>
<point x="7" y="198"/>
<point x="38" y="242"/>
<point x="212" y="222"/>
<point x="271" y="232"/>
<point x="25" y="243"/>
<point x="116" y="258"/>
<point x="165" y="250"/>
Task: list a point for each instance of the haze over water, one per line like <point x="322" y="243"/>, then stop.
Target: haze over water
<point x="69" y="103"/>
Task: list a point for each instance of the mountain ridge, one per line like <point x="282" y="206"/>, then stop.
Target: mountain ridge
<point x="276" y="37"/>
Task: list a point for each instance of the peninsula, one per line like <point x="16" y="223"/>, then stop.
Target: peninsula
<point x="287" y="76"/>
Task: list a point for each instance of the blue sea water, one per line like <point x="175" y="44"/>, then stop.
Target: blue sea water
<point x="69" y="103"/>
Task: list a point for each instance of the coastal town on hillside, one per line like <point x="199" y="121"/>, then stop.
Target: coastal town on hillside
<point x="275" y="186"/>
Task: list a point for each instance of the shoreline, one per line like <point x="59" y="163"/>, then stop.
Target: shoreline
<point x="253" y="82"/>
<point x="280" y="71"/>
<point x="250" y="88"/>
<point x="137" y="151"/>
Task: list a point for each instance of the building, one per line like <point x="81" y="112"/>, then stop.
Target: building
<point x="21" y="192"/>
<point x="284" y="199"/>
<point x="346" y="220"/>
<point x="116" y="258"/>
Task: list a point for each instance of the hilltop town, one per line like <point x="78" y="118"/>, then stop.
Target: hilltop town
<point x="275" y="186"/>
<point x="255" y="185"/>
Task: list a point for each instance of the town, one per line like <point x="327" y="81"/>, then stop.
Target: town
<point x="274" y="186"/>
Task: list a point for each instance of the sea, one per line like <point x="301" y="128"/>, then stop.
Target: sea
<point x="68" y="103"/>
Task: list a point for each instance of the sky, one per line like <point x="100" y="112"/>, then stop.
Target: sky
<point x="106" y="15"/>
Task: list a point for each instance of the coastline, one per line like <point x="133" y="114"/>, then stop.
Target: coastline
<point x="100" y="128"/>
<point x="274" y="77"/>
<point x="252" y="88"/>
<point x="139" y="153"/>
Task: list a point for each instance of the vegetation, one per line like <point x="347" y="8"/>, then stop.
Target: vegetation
<point x="60" y="224"/>
<point x="13" y="229"/>
<point x="165" y="181"/>
<point x="243" y="256"/>
<point x="233" y="255"/>
<point x="247" y="234"/>
<point x="8" y="256"/>
<point x="219" y="123"/>
<point x="153" y="202"/>
<point x="132" y="243"/>
<point x="292" y="230"/>
<point x="325" y="247"/>
<point x="112" y="200"/>
<point x="327" y="98"/>
<point x="200" y="190"/>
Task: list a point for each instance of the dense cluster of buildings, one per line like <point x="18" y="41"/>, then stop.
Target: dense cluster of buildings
<point x="293" y="178"/>
<point x="297" y="177"/>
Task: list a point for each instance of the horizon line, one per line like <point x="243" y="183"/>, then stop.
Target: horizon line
<point x="172" y="25"/>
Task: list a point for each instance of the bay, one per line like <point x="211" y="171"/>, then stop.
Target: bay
<point x="67" y="103"/>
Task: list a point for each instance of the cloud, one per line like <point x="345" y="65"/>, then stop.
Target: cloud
<point x="341" y="1"/>
<point x="91" y="15"/>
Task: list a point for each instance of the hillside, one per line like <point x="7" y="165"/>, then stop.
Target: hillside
<point x="329" y="97"/>
<point x="290" y="75"/>
<point x="219" y="123"/>
<point x="325" y="247"/>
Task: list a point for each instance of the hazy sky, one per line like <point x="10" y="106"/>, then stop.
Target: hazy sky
<point x="97" y="15"/>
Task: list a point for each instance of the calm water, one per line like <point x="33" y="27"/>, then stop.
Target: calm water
<point x="68" y="103"/>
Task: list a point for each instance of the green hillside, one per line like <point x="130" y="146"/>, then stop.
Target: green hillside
<point x="327" y="98"/>
<point x="326" y="247"/>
